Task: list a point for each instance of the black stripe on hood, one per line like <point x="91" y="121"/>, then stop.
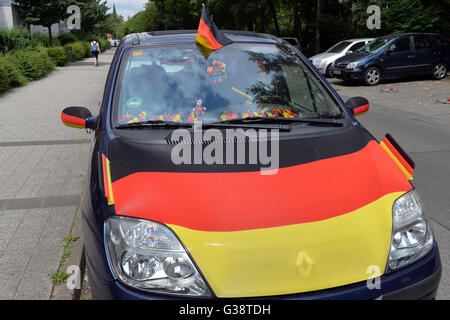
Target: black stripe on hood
<point x="128" y="156"/>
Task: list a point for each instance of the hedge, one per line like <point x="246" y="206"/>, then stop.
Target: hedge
<point x="58" y="55"/>
<point x="78" y="50"/>
<point x="15" y="38"/>
<point x="33" y="62"/>
<point x="10" y="74"/>
<point x="24" y="59"/>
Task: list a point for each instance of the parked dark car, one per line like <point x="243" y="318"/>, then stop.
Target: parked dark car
<point x="337" y="212"/>
<point x="396" y="56"/>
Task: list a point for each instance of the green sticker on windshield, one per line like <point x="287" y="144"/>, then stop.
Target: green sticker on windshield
<point x="134" y="102"/>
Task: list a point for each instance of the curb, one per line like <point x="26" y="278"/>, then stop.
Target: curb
<point x="77" y="258"/>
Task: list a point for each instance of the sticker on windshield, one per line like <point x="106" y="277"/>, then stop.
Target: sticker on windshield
<point x="134" y="102"/>
<point x="138" y="53"/>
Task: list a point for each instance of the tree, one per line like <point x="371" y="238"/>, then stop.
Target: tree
<point x="142" y="21"/>
<point x="93" y="13"/>
<point x="44" y="12"/>
<point x="318" y="27"/>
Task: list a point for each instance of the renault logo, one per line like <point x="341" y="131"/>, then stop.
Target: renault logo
<point x="304" y="264"/>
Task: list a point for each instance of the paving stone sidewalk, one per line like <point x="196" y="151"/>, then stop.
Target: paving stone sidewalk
<point x="42" y="170"/>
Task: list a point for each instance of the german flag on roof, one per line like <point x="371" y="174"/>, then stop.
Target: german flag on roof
<point x="209" y="37"/>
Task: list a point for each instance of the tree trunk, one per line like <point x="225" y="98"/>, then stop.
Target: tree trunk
<point x="318" y="28"/>
<point x="297" y="21"/>
<point x="263" y="16"/>
<point x="50" y="36"/>
<point x="274" y="15"/>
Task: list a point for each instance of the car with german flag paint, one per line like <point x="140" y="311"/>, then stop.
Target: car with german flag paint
<point x="243" y="174"/>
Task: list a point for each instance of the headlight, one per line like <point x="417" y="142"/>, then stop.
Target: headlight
<point x="412" y="237"/>
<point x="352" y="65"/>
<point x="147" y="255"/>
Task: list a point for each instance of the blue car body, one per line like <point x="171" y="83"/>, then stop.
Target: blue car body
<point x="419" y="280"/>
<point x="421" y="53"/>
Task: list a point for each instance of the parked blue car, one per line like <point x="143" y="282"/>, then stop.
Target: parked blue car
<point x="338" y="218"/>
<point x="396" y="56"/>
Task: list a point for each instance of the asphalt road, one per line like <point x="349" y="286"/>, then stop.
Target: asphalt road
<point x="421" y="126"/>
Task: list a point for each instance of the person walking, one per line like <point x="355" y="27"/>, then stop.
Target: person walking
<point x="95" y="48"/>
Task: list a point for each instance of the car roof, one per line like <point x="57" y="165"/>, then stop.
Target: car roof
<point x="359" y="39"/>
<point x="179" y="36"/>
<point x="395" y="35"/>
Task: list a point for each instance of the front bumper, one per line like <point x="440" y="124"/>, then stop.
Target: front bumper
<point x="321" y="67"/>
<point x="348" y="74"/>
<point x="417" y="281"/>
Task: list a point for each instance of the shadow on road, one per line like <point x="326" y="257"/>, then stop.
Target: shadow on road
<point x="89" y="63"/>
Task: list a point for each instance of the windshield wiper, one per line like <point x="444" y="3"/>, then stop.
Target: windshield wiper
<point x="325" y="121"/>
<point x="172" y="124"/>
<point x="154" y="124"/>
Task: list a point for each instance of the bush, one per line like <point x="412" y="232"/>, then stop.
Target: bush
<point x="66" y="38"/>
<point x="15" y="38"/>
<point x="40" y="39"/>
<point x="33" y="62"/>
<point x="58" y="56"/>
<point x="10" y="75"/>
<point x="104" y="44"/>
<point x="78" y="50"/>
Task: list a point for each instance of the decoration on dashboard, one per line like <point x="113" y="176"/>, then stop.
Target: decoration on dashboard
<point x="217" y="70"/>
<point x="177" y="117"/>
<point x="279" y="113"/>
<point x="228" y="115"/>
<point x="198" y="113"/>
<point x="129" y="118"/>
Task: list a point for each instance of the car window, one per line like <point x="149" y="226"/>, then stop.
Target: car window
<point x="374" y="45"/>
<point x="422" y="42"/>
<point x="176" y="83"/>
<point x="356" y="46"/>
<point x="339" y="47"/>
<point x="437" y="41"/>
<point x="401" y="45"/>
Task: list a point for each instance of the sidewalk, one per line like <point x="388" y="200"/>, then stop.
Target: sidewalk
<point x="42" y="170"/>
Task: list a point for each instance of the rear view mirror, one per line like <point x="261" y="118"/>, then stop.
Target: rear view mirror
<point x="359" y="105"/>
<point x="349" y="52"/>
<point x="78" y="117"/>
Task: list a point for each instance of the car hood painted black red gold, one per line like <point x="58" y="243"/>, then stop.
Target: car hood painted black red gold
<point x="320" y="222"/>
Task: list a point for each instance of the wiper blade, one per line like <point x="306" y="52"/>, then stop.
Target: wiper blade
<point x="154" y="124"/>
<point x="327" y="121"/>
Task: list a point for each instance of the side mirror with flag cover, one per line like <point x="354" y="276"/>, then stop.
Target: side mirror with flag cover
<point x="78" y="117"/>
<point x="359" y="105"/>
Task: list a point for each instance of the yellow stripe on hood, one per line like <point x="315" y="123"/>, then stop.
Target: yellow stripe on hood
<point x="295" y="258"/>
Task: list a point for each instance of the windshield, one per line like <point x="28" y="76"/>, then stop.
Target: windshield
<point x="176" y="83"/>
<point x="339" y="47"/>
<point x="374" y="45"/>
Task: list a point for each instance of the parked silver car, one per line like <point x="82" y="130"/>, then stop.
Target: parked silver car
<point x="324" y="60"/>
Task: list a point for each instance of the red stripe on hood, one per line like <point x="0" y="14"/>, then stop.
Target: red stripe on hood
<point x="248" y="200"/>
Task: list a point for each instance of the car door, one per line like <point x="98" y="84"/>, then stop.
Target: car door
<point x="426" y="53"/>
<point x="399" y="58"/>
